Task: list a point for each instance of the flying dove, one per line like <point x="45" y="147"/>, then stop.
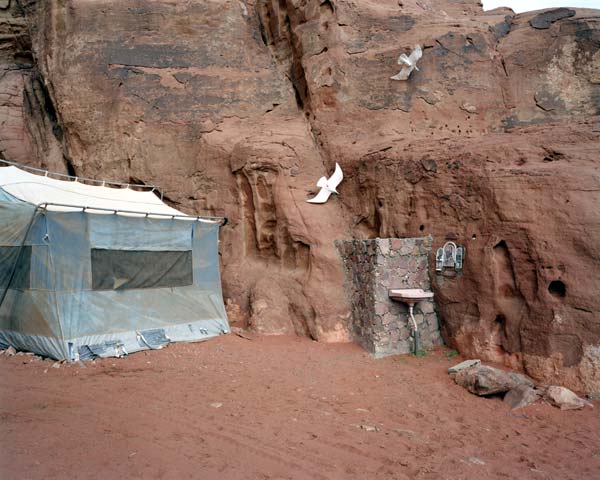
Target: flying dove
<point x="410" y="63"/>
<point x="328" y="186"/>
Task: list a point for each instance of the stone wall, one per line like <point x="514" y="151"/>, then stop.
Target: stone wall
<point x="379" y="324"/>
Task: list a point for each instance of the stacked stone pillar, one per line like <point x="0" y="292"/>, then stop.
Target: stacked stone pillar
<point x="379" y="324"/>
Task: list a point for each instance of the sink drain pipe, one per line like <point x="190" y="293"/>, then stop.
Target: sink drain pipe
<point x="415" y="329"/>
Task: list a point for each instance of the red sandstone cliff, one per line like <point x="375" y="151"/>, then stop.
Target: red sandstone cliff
<point x="236" y="108"/>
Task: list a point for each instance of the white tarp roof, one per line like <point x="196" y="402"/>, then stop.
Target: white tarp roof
<point x="38" y="189"/>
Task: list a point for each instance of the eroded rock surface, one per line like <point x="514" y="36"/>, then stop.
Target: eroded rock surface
<point x="237" y="107"/>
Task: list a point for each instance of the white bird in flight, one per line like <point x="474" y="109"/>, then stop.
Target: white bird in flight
<point x="328" y="186"/>
<point x="410" y="63"/>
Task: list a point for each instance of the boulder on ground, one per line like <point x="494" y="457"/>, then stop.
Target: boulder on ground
<point x="565" y="399"/>
<point x="483" y="380"/>
<point x="521" y="396"/>
<point x="463" y="365"/>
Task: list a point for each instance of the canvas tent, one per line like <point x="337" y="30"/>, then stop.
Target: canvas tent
<point x="92" y="270"/>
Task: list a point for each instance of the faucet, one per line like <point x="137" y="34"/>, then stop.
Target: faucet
<point x="411" y="296"/>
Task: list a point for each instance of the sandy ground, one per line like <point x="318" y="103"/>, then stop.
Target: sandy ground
<point x="276" y="408"/>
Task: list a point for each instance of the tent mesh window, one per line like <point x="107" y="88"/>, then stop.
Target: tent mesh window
<point x="8" y="258"/>
<point x="127" y="269"/>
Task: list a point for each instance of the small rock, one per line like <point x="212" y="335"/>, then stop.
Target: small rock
<point x="565" y="399"/>
<point x="476" y="461"/>
<point x="429" y="164"/>
<point x="216" y="405"/>
<point x="56" y="365"/>
<point x="240" y="332"/>
<point x="369" y="428"/>
<point x="206" y="126"/>
<point x="483" y="380"/>
<point x="467" y="107"/>
<point x="462" y="365"/>
<point x="521" y="396"/>
<point x="405" y="433"/>
<point x="10" y="351"/>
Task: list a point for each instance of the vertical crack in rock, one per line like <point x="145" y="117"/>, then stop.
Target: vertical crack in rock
<point x="287" y="50"/>
<point x="278" y="36"/>
<point x="301" y="36"/>
<point x="44" y="126"/>
<point x="32" y="131"/>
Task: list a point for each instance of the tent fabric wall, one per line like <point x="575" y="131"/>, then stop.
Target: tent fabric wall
<point x="62" y="316"/>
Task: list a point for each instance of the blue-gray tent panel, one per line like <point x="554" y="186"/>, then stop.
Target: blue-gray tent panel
<point x="206" y="256"/>
<point x="45" y="346"/>
<point x="70" y="255"/>
<point x="15" y="266"/>
<point x="30" y="312"/>
<point x="6" y="197"/>
<point x="120" y="232"/>
<point x="41" y="270"/>
<point x="14" y="220"/>
<point x="103" y="312"/>
<point x="114" y="345"/>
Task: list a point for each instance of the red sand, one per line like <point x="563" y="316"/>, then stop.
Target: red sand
<point x="277" y="408"/>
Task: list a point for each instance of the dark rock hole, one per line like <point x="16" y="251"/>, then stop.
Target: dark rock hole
<point x="328" y="6"/>
<point x="69" y="166"/>
<point x="501" y="245"/>
<point x="421" y="227"/>
<point x="557" y="288"/>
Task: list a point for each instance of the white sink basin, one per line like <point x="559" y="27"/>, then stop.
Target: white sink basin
<point x="410" y="295"/>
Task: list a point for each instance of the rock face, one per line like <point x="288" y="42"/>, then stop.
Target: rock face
<point x="237" y="107"/>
